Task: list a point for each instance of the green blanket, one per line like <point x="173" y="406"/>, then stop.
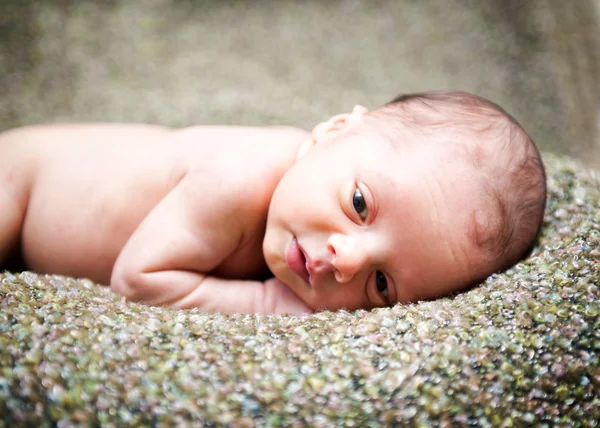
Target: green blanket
<point x="521" y="348"/>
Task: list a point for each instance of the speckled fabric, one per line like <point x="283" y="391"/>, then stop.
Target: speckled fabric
<point x="520" y="349"/>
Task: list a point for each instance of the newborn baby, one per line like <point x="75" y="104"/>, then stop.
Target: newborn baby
<point x="423" y="197"/>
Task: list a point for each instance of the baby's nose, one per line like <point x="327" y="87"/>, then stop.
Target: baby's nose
<point x="348" y="257"/>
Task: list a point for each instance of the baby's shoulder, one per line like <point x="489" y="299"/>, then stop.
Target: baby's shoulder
<point x="243" y="163"/>
<point x="231" y="190"/>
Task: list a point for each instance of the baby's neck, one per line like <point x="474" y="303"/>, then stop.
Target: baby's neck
<point x="279" y="151"/>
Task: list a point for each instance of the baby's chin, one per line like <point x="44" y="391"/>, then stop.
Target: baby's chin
<point x="275" y="261"/>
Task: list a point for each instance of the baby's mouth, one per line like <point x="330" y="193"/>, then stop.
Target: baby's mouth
<point x="296" y="260"/>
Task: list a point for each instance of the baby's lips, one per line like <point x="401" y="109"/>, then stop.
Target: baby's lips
<point x="294" y="257"/>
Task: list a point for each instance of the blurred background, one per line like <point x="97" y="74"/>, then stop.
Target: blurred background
<point x="183" y="62"/>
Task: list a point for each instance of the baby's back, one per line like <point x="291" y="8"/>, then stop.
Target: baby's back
<point x="81" y="190"/>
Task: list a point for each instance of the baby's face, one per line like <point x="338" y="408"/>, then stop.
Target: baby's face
<point x="357" y="223"/>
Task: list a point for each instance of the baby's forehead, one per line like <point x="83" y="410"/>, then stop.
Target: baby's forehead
<point x="437" y="131"/>
<point x="402" y="157"/>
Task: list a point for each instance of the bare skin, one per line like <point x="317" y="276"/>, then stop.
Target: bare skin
<point x="164" y="216"/>
<point x="198" y="217"/>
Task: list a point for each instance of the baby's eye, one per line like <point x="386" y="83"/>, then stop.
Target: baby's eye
<point x="359" y="204"/>
<point x="381" y="282"/>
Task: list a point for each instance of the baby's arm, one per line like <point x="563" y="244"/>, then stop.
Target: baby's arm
<point x="166" y="259"/>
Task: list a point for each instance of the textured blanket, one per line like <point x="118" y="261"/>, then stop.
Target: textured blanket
<point x="522" y="348"/>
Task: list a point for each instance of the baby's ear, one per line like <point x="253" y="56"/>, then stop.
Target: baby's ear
<point x="332" y="126"/>
<point x="339" y="123"/>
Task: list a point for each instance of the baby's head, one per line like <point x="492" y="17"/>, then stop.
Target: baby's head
<point x="423" y="197"/>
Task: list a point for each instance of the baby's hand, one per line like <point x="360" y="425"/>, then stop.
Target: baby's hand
<point x="283" y="300"/>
